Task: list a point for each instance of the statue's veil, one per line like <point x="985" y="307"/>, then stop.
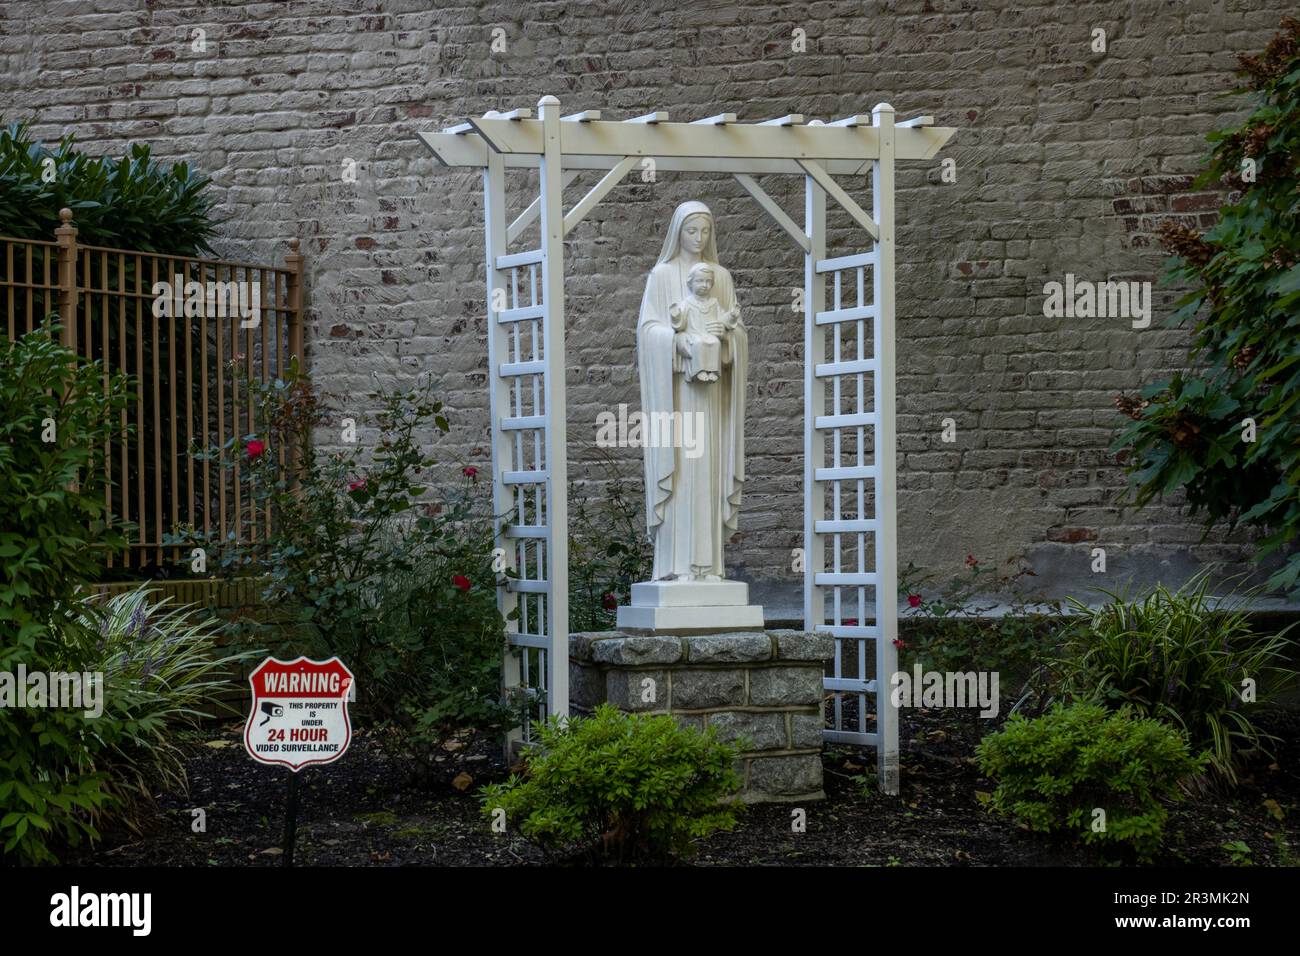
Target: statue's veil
<point x="672" y="241"/>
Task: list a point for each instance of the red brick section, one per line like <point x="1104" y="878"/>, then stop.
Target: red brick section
<point x="1150" y="200"/>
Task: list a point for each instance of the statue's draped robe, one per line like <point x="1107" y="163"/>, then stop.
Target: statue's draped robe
<point x="692" y="503"/>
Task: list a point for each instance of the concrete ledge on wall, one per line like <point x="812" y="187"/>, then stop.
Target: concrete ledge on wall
<point x="764" y="687"/>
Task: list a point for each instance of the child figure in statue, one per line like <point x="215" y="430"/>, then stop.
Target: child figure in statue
<point x="693" y="319"/>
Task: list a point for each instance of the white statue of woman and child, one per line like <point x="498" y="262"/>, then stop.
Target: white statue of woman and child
<point x="692" y="356"/>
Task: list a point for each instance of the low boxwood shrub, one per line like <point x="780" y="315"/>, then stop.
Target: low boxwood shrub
<point x="1055" y="772"/>
<point x="620" y="787"/>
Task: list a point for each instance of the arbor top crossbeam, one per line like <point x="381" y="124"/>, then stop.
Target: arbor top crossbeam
<point x="713" y="144"/>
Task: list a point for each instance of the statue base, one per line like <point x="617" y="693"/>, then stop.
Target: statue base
<point x="763" y="688"/>
<point x="686" y="607"/>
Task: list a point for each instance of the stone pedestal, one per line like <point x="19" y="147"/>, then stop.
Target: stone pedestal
<point x="764" y="686"/>
<point x="690" y="607"/>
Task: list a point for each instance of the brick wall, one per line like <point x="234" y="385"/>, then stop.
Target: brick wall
<point x="1065" y="161"/>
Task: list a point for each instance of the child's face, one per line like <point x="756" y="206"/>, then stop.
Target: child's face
<point x="702" y="283"/>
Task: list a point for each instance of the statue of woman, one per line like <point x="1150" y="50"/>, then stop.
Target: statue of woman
<point x="693" y="492"/>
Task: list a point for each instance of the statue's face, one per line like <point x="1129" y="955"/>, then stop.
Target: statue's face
<point x="696" y="231"/>
<point x="702" y="282"/>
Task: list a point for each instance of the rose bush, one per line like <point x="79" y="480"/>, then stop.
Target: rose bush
<point x="391" y="575"/>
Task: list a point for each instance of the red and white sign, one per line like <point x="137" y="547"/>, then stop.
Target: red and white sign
<point x="299" y="715"/>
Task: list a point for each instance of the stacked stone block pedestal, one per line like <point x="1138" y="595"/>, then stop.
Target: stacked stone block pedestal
<point x="764" y="686"/>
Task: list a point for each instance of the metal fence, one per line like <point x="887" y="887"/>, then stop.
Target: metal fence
<point x="195" y="335"/>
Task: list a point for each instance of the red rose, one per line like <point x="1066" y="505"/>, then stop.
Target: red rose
<point x="970" y="561"/>
<point x="470" y="471"/>
<point x="900" y="643"/>
<point x="461" y="582"/>
<point x="255" y="448"/>
<point x="914" y="600"/>
<point x="609" y="602"/>
<point x="357" y="485"/>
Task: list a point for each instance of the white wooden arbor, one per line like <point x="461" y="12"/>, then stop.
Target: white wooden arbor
<point x="849" y="526"/>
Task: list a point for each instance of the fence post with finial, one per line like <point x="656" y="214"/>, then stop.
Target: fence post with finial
<point x="65" y="237"/>
<point x="293" y="265"/>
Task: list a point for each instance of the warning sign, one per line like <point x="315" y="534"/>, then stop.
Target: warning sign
<point x="299" y="715"/>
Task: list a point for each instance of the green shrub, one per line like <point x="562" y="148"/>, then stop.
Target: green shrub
<point x="440" y="648"/>
<point x="609" y="549"/>
<point x="1174" y="656"/>
<point x="950" y="628"/>
<point x="163" y="672"/>
<point x="366" y="562"/>
<point x="1055" y="771"/>
<point x="131" y="203"/>
<point x="618" y="786"/>
<point x="61" y="771"/>
<point x="1188" y="432"/>
<point x="55" y="533"/>
<point x="53" y="538"/>
<point x="151" y="670"/>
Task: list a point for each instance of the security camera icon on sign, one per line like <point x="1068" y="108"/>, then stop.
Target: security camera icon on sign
<point x="271" y="709"/>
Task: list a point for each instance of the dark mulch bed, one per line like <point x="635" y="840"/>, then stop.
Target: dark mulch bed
<point x="368" y="809"/>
